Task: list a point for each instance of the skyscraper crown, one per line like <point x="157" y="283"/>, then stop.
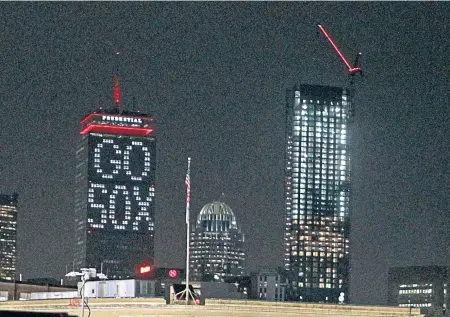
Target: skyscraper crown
<point x="218" y="211"/>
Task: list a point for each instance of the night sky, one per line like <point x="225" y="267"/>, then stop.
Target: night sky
<point x="214" y="75"/>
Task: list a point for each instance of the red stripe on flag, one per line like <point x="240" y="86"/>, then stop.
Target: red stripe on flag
<point x="187" y="182"/>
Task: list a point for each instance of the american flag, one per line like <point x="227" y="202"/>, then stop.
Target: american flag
<point x="187" y="182"/>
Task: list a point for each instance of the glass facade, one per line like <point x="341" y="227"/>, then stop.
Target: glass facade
<point x="415" y="295"/>
<point x="8" y="236"/>
<point x="115" y="193"/>
<point x="424" y="287"/>
<point x="217" y="245"/>
<point x="317" y="193"/>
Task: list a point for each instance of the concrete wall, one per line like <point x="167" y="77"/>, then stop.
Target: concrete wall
<point x="218" y="290"/>
<point x="216" y="308"/>
<point x="14" y="289"/>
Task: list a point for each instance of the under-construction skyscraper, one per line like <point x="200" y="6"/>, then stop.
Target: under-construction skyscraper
<point x="317" y="193"/>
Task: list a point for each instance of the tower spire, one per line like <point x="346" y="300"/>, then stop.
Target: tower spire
<point x="116" y="88"/>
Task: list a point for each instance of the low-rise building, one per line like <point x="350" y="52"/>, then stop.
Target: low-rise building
<point x="424" y="287"/>
<point x="22" y="290"/>
<point x="268" y="284"/>
<point x="118" y="288"/>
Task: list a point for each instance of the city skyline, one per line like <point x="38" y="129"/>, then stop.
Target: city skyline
<point x="214" y="75"/>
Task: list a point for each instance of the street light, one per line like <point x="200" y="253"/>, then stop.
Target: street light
<point x="85" y="275"/>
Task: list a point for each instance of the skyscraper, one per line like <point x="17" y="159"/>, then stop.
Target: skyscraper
<point x="8" y="236"/>
<point x="317" y="193"/>
<point x="115" y="191"/>
<point x="217" y="244"/>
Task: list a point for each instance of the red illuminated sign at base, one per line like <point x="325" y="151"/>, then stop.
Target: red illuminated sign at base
<point x="145" y="269"/>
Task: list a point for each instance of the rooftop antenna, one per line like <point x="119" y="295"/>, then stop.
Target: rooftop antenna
<point x="116" y="88"/>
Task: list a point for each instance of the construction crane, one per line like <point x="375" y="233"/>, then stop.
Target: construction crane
<point x="352" y="69"/>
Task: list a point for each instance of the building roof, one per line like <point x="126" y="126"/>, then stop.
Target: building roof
<point x="8" y="200"/>
<point x="218" y="211"/>
<point x="216" y="208"/>
<point x="117" y="112"/>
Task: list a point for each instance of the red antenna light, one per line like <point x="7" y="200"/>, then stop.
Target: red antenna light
<point x="116" y="84"/>
<point x="116" y="89"/>
<point x="352" y="70"/>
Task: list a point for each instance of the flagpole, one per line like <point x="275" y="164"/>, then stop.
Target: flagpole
<point x="188" y="199"/>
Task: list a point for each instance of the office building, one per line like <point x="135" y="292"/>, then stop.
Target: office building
<point x="424" y="287"/>
<point x="217" y="245"/>
<point x="317" y="193"/>
<point x="269" y="284"/>
<point x="115" y="191"/>
<point x="8" y="236"/>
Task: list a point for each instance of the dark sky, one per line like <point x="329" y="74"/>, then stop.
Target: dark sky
<point x="214" y="75"/>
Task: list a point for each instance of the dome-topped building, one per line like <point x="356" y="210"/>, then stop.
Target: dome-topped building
<point x="217" y="244"/>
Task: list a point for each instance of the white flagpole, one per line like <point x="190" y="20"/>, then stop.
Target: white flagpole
<point x="188" y="199"/>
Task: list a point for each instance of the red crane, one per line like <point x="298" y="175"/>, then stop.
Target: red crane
<point x="352" y="69"/>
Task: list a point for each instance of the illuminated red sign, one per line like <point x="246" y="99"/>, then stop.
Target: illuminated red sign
<point x="105" y="128"/>
<point x="145" y="269"/>
<point x="173" y="273"/>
